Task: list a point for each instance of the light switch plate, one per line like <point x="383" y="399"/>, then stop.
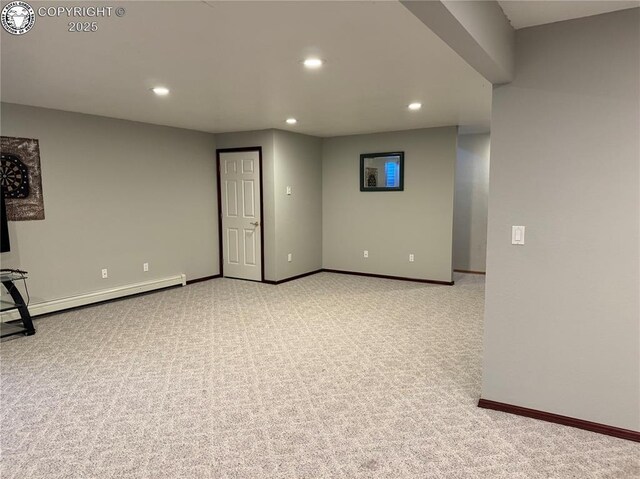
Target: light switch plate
<point x="288" y="190"/>
<point x="517" y="235"/>
<point x="366" y="253"/>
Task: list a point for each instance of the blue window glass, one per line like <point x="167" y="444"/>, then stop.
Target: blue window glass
<point x="391" y="170"/>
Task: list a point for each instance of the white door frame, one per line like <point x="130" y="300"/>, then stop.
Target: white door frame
<point x="220" y="232"/>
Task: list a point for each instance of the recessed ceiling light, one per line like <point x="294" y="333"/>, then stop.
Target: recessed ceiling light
<point x="291" y="121"/>
<point x="160" y="91"/>
<point x="415" y="106"/>
<point x="312" y="62"/>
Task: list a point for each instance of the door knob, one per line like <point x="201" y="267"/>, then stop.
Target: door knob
<point x="255" y="224"/>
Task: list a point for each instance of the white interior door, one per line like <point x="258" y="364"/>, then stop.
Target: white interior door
<point x="241" y="218"/>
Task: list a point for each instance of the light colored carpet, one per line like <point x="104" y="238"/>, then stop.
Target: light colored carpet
<point x="327" y="376"/>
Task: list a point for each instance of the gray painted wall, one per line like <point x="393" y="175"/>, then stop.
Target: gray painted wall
<point x="299" y="215"/>
<point x="264" y="139"/>
<point x="562" y="312"/>
<point x="471" y="200"/>
<point x="116" y="194"/>
<point x="390" y="225"/>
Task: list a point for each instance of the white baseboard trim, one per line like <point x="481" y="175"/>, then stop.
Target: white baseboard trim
<point x="97" y="296"/>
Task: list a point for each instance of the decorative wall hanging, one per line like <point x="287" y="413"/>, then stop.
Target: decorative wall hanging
<point x="382" y="171"/>
<point x="21" y="179"/>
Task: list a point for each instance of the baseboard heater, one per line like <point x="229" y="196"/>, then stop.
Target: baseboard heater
<point x="37" y="309"/>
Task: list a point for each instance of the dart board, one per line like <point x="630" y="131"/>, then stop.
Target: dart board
<point x="14" y="177"/>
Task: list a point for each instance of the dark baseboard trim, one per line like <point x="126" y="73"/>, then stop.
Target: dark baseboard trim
<point x="286" y="280"/>
<point x="384" y="276"/>
<point x="558" y="419"/>
<point x="469" y="272"/>
<point x="206" y="278"/>
<point x="355" y="273"/>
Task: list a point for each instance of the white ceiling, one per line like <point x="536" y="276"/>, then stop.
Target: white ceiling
<point x="235" y="66"/>
<point x="525" y="13"/>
